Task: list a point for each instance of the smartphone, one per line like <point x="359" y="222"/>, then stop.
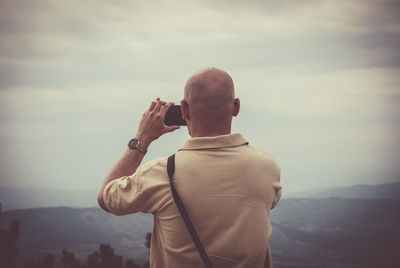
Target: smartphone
<point x="174" y="117"/>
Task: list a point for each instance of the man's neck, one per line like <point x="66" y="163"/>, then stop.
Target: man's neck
<point x="203" y="132"/>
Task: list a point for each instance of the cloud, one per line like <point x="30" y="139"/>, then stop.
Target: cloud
<point x="318" y="81"/>
<point x="103" y="41"/>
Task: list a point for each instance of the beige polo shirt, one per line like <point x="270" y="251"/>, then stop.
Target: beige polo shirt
<point x="228" y="188"/>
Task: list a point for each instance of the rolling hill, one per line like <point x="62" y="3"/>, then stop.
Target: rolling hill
<point x="50" y="230"/>
<point x="21" y="198"/>
<point x="364" y="191"/>
<point x="331" y="232"/>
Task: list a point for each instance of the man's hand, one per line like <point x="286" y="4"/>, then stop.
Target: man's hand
<point x="152" y="126"/>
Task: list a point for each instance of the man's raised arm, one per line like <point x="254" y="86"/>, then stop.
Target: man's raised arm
<point x="151" y="127"/>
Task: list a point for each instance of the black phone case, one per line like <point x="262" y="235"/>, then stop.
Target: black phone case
<point x="174" y="117"/>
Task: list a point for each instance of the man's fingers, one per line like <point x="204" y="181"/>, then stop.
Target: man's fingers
<point x="170" y="128"/>
<point x="166" y="108"/>
<point x="152" y="105"/>
<point x="159" y="103"/>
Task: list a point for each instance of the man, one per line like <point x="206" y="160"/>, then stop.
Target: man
<point x="227" y="186"/>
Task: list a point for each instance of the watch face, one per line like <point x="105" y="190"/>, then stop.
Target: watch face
<point x="133" y="143"/>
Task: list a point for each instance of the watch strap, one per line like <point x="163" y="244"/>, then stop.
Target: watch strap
<point x="136" y="144"/>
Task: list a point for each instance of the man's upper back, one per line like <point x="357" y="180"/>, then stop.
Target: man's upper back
<point x="228" y="189"/>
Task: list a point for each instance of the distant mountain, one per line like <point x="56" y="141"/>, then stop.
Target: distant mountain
<point x="49" y="230"/>
<point x="365" y="191"/>
<point x="21" y="198"/>
<point x="336" y="232"/>
<point x="328" y="233"/>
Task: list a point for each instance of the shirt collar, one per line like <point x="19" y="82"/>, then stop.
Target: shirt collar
<point x="222" y="141"/>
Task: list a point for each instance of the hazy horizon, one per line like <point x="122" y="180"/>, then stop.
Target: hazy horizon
<point x="292" y="191"/>
<point x="318" y="84"/>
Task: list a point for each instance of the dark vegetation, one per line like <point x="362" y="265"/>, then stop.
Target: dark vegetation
<point x="8" y="248"/>
<point x="104" y="258"/>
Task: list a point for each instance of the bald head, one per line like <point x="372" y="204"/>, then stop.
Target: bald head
<point x="210" y="97"/>
<point x="209" y="83"/>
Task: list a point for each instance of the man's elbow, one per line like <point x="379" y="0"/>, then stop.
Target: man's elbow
<point x="277" y="197"/>
<point x="101" y="201"/>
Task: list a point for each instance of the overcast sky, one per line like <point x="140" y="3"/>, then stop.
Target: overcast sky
<point x="318" y="81"/>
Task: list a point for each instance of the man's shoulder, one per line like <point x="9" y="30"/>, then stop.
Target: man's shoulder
<point x="261" y="155"/>
<point x="258" y="151"/>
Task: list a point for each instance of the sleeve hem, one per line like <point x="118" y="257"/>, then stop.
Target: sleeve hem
<point x="104" y="199"/>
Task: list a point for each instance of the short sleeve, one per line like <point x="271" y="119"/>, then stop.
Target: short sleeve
<point x="146" y="190"/>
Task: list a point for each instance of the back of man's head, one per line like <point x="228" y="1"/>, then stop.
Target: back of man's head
<point x="210" y="97"/>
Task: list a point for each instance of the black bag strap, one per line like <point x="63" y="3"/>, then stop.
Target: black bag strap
<point x="185" y="216"/>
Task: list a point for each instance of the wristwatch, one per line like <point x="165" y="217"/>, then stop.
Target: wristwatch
<point x="135" y="144"/>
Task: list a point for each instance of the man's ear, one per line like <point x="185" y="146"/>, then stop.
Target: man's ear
<point x="184" y="110"/>
<point x="236" y="107"/>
